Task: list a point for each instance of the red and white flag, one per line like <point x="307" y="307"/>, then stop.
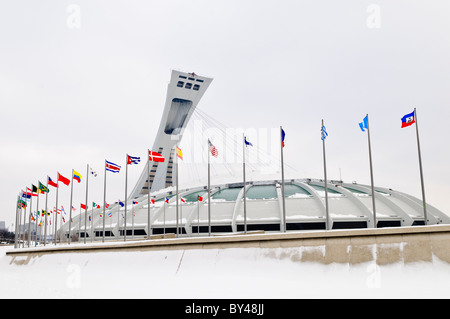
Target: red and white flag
<point x="213" y="149"/>
<point x="155" y="157"/>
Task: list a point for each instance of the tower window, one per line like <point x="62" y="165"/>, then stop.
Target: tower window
<point x="196" y="87"/>
<point x="188" y="85"/>
<point x="180" y="84"/>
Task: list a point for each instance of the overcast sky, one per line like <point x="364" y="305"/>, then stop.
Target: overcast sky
<point x="85" y="81"/>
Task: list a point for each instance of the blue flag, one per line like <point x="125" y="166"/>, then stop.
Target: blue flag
<point x="324" y="133"/>
<point x="121" y="204"/>
<point x="247" y="143"/>
<point x="363" y="124"/>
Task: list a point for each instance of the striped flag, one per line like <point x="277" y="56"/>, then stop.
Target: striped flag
<point x="213" y="149"/>
<point x="179" y="153"/>
<point x="111" y="167"/>
<point x="77" y="176"/>
<point x="324" y="133"/>
<point x="52" y="183"/>
<point x="133" y="159"/>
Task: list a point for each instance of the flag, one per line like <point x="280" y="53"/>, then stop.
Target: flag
<point x="106" y="205"/>
<point x="283" y="135"/>
<point x="61" y="178"/>
<point x="32" y="192"/>
<point x="179" y="153"/>
<point x="73" y="208"/>
<point x="247" y="143"/>
<point x="408" y="119"/>
<point x="152" y="201"/>
<point x="167" y="200"/>
<point x="89" y="218"/>
<point x="133" y="160"/>
<point x="83" y="206"/>
<point x="45" y="212"/>
<point x="62" y="209"/>
<point x="183" y="200"/>
<point x="95" y="205"/>
<point x="77" y="176"/>
<point x="52" y="183"/>
<point x="109" y="214"/>
<point x="121" y="204"/>
<point x="112" y="167"/>
<point x="213" y="149"/>
<point x="63" y="219"/>
<point x="43" y="188"/>
<point x="155" y="157"/>
<point x="26" y="194"/>
<point x="92" y="172"/>
<point x="200" y="198"/>
<point x="21" y="203"/>
<point x="363" y="124"/>
<point x="135" y="202"/>
<point x="324" y="132"/>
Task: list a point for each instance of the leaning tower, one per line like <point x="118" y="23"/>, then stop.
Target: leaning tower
<point x="183" y="94"/>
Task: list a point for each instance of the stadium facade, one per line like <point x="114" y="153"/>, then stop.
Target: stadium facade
<point x="350" y="204"/>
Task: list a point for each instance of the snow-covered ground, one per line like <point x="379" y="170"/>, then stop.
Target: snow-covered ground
<point x="214" y="273"/>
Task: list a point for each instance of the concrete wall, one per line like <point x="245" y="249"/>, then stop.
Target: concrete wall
<point x="384" y="245"/>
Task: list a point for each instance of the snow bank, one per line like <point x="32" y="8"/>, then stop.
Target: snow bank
<point x="214" y="273"/>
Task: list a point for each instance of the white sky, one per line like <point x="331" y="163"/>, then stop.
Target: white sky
<point x="74" y="92"/>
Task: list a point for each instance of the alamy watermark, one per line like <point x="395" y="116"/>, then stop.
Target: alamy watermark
<point x="373" y="20"/>
<point x="74" y="16"/>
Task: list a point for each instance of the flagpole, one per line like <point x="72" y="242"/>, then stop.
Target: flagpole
<point x="56" y="213"/>
<point x="86" y="207"/>
<point x="104" y="203"/>
<point x="164" y="219"/>
<point x="29" y="217"/>
<point x="22" y="211"/>
<point x="70" y="208"/>
<point x="243" y="173"/>
<point x="125" y="216"/>
<point x="16" y="228"/>
<point x="37" y="215"/>
<point x="92" y="224"/>
<point x="282" y="180"/>
<point x="325" y="176"/>
<point x="16" y="232"/>
<point x="421" y="172"/>
<point x="24" y="219"/>
<point x="132" y="220"/>
<point x="148" y="197"/>
<point x="176" y="186"/>
<point x="371" y="174"/>
<point x="209" y="194"/>
<point x="45" y="226"/>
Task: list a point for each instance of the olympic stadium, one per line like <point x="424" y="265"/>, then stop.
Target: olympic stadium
<point x="227" y="211"/>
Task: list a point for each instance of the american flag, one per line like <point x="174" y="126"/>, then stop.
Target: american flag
<point x="213" y="149"/>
